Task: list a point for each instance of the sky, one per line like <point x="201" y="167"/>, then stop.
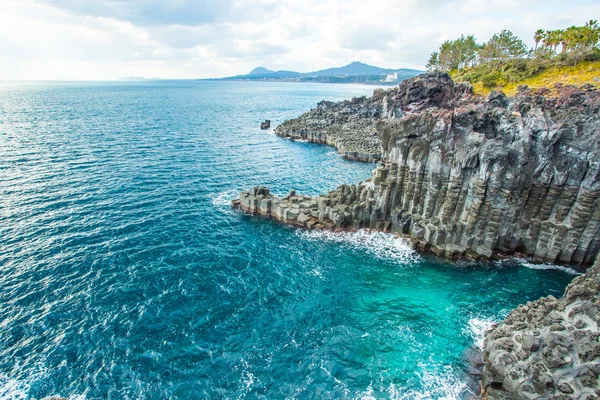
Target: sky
<point x="109" y="39"/>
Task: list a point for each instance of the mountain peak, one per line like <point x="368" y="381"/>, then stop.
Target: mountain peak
<point x="260" y="71"/>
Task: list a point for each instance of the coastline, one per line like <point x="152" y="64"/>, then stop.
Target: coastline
<point x="461" y="175"/>
<point x="295" y="210"/>
<point x="432" y="109"/>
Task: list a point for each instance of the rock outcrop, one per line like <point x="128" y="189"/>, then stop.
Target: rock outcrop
<point x="548" y="349"/>
<point x="349" y="126"/>
<point x="266" y="124"/>
<point x="460" y="175"/>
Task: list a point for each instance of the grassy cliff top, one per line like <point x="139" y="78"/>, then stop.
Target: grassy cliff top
<point x="510" y="77"/>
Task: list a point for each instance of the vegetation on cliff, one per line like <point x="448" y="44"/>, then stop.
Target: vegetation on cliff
<point x="569" y="56"/>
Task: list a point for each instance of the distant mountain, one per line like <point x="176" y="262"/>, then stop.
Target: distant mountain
<point x="260" y="71"/>
<point x="353" y="69"/>
<point x="355" y="72"/>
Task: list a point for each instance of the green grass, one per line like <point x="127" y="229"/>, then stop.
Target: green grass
<point x="535" y="74"/>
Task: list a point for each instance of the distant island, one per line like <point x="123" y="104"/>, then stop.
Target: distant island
<point x="355" y="72"/>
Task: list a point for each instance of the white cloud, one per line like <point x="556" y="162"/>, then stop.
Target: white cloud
<point x="107" y="39"/>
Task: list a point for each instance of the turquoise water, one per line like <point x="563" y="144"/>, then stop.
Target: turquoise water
<point x="124" y="274"/>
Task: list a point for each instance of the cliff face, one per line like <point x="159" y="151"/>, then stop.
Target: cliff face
<point x="498" y="175"/>
<point x="349" y="126"/>
<point x="548" y="348"/>
<point x="460" y="175"/>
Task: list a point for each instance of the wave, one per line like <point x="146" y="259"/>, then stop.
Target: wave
<point x="523" y="262"/>
<point x="528" y="264"/>
<point x="442" y="385"/>
<point x="17" y="389"/>
<point x="477" y="327"/>
<point x="224" y="198"/>
<point x="384" y="246"/>
<point x="12" y="389"/>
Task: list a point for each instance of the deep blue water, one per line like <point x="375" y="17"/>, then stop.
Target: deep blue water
<point x="124" y="274"/>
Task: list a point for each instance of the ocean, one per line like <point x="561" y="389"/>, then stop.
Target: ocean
<point x="125" y="274"/>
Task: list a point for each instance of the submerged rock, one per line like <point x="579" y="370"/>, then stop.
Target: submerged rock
<point x="462" y="175"/>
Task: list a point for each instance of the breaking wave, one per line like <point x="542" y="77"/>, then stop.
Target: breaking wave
<point x="384" y="246"/>
<point x="478" y="327"/>
<point x="562" y="268"/>
<point x="224" y="198"/>
<point x="442" y="385"/>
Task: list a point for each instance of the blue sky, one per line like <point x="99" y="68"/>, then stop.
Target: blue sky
<point x="108" y="39"/>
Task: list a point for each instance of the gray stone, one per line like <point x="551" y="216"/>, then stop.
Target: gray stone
<point x="558" y="364"/>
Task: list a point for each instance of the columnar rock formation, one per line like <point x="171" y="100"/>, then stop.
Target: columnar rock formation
<point x="460" y="175"/>
<point x="548" y="349"/>
<point x="349" y="126"/>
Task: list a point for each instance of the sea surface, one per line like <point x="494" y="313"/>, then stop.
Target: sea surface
<point x="124" y="274"/>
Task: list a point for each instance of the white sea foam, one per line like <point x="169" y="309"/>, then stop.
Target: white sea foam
<point x="12" y="389"/>
<point x="384" y="246"/>
<point x="17" y="389"/>
<point x="445" y="385"/>
<point x="442" y="385"/>
<point x="224" y="198"/>
<point x="528" y="264"/>
<point x="478" y="327"/>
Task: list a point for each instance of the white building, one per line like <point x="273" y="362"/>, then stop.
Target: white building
<point x="391" y="77"/>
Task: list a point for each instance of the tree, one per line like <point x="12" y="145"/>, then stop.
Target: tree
<point x="455" y="54"/>
<point x="576" y="42"/>
<point x="432" y="64"/>
<point x="471" y="50"/>
<point x="538" y="36"/>
<point x="503" y="46"/>
<point x="553" y="39"/>
<point x="591" y="34"/>
<point x="571" y="39"/>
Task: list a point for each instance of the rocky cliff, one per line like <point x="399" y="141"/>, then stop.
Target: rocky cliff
<point x="548" y="349"/>
<point x="349" y="126"/>
<point x="460" y="175"/>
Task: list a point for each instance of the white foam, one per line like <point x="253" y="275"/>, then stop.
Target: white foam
<point x="224" y="198"/>
<point x="384" y="246"/>
<point x="562" y="268"/>
<point x="444" y="385"/>
<point x="12" y="389"/>
<point x="478" y="327"/>
<point x="17" y="389"/>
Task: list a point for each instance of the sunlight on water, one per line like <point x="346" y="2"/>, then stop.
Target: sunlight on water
<point x="124" y="272"/>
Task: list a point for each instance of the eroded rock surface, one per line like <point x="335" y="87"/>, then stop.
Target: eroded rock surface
<point x="461" y="175"/>
<point x="548" y="349"/>
<point x="350" y="125"/>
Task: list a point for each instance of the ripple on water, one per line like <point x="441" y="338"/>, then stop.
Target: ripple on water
<point x="124" y="273"/>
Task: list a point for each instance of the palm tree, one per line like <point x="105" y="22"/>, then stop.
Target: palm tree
<point x="538" y="36"/>
<point x="553" y="39"/>
<point x="571" y="39"/>
<point x="591" y="33"/>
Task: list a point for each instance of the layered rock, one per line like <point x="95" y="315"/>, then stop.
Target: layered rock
<point x="462" y="175"/>
<point x="548" y="349"/>
<point x="349" y="126"/>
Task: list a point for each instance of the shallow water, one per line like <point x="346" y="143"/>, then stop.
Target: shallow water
<point x="125" y="274"/>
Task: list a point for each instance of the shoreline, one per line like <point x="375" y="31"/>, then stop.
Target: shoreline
<point x="466" y="177"/>
<point x="313" y="223"/>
